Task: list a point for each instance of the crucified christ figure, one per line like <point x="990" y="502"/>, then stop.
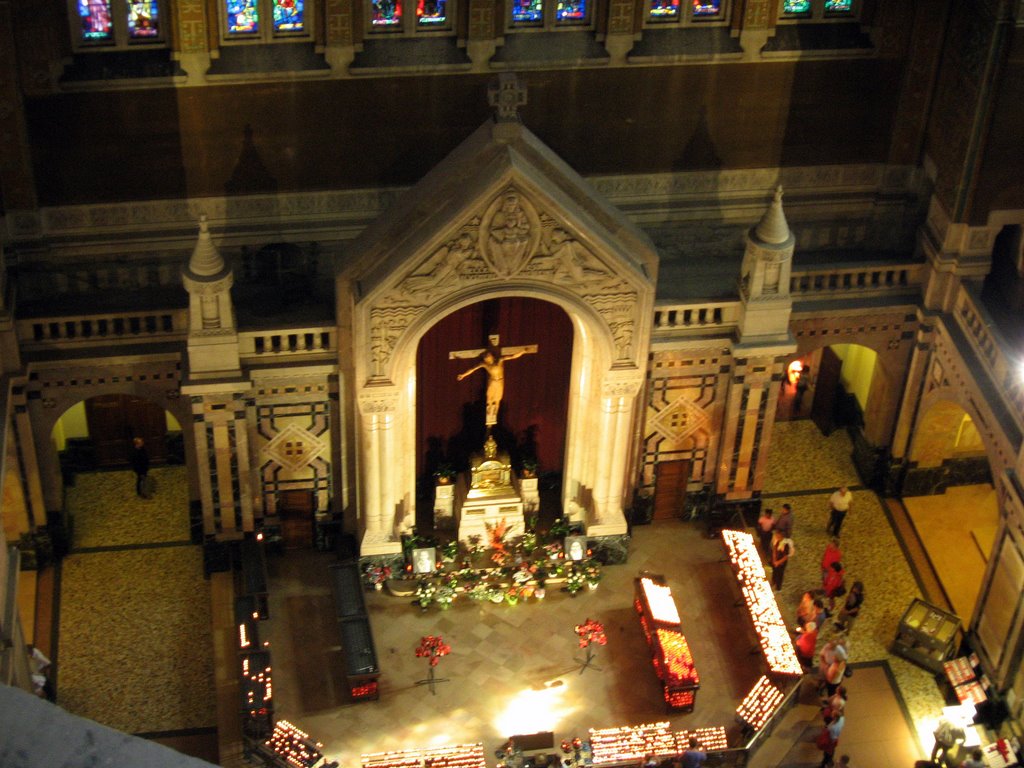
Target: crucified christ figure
<point x="493" y="363"/>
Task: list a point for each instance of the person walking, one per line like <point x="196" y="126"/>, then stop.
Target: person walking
<point x="140" y="466"/>
<point x="784" y="522"/>
<point x="782" y="550"/>
<point x="974" y="760"/>
<point x="851" y="607"/>
<point x="765" y="524"/>
<point x="828" y="738"/>
<point x="839" y="504"/>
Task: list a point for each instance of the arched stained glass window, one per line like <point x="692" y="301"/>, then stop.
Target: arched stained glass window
<point x="796" y="7"/>
<point x="571" y="11"/>
<point x="432" y="13"/>
<point x="838" y="6"/>
<point x="243" y="17"/>
<point x="704" y="10"/>
<point x="527" y="11"/>
<point x="387" y="13"/>
<point x="288" y="15"/>
<point x="664" y="10"/>
<point x="97" y="22"/>
<point x="144" y="20"/>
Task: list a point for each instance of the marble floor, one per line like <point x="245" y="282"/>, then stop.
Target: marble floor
<point x="958" y="529"/>
<point x="513" y="669"/>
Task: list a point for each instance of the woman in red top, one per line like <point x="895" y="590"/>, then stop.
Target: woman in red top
<point x="833" y="584"/>
<point x="832" y="554"/>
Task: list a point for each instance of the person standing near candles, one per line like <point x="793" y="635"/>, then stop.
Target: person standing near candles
<point x="693" y="757"/>
<point x="782" y="550"/>
<point x="765" y="524"/>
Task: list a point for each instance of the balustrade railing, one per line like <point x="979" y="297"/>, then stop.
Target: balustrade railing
<point x="103" y="329"/>
<point x="701" y="316"/>
<point x="858" y="280"/>
<point x="1002" y="365"/>
<point x="321" y="340"/>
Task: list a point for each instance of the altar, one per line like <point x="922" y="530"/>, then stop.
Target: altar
<point x="489" y="495"/>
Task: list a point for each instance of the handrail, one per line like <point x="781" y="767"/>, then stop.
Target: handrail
<point x="991" y="347"/>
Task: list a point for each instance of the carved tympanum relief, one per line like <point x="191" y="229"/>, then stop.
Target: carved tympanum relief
<point x="511" y="239"/>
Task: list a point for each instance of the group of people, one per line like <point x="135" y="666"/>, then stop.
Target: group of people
<point x="692" y="757"/>
<point x="947" y="738"/>
<point x="834" y="598"/>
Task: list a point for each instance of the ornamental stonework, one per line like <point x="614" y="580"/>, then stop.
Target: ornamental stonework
<point x="511" y="239"/>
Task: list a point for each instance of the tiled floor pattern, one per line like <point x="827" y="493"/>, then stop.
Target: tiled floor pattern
<point x="511" y="668"/>
<point x="134" y="650"/>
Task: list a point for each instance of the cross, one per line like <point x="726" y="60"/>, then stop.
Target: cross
<point x="506" y="96"/>
<point x="492" y="361"/>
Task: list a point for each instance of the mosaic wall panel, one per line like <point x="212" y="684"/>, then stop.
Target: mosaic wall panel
<point x="681" y="420"/>
<point x="293" y="443"/>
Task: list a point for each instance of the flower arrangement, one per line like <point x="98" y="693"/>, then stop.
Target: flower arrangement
<point x="512" y="595"/>
<point x="574" y="581"/>
<point x="591" y="631"/>
<point x="592" y="572"/>
<point x="432" y="647"/>
<point x="554" y="550"/>
<point x="425" y="593"/>
<point x="445" y="595"/>
<point x="450" y="550"/>
<point x="376" y="575"/>
<point x="528" y="542"/>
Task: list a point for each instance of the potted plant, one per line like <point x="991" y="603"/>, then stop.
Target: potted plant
<point x="592" y="573"/>
<point x="574" y="581"/>
<point x="530" y="466"/>
<point x="450" y="551"/>
<point x="445" y="474"/>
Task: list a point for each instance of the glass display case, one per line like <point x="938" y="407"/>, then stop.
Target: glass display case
<point x="927" y="635"/>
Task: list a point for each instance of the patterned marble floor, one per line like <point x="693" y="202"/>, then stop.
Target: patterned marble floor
<point x="511" y="668"/>
<point x="134" y="650"/>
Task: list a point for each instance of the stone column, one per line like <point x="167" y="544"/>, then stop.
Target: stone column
<point x="378" y="497"/>
<point x="618" y="398"/>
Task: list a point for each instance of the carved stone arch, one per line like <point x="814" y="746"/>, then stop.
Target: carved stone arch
<point x="954" y="395"/>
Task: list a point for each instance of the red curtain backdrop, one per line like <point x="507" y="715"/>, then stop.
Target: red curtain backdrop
<point x="532" y="420"/>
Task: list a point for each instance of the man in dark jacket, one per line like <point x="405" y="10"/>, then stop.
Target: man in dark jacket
<point x="140" y="465"/>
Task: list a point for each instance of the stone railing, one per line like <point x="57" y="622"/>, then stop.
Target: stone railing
<point x="855" y="281"/>
<point x="320" y="341"/>
<point x="995" y="353"/>
<point x="697" y="317"/>
<point x="108" y="329"/>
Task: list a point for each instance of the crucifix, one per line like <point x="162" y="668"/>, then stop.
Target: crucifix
<point x="492" y="362"/>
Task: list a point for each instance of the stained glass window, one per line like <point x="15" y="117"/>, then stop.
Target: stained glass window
<point x="796" y="6"/>
<point x="704" y="10"/>
<point x="288" y="15"/>
<point x="838" y="6"/>
<point x="432" y="13"/>
<point x="387" y="13"/>
<point x="243" y="17"/>
<point x="664" y="10"/>
<point x="527" y="11"/>
<point x="571" y="11"/>
<point x="97" y="23"/>
<point x="144" y="20"/>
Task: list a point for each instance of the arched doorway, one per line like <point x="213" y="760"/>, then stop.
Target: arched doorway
<point x="834" y="386"/>
<point x="97" y="433"/>
<point x="949" y="496"/>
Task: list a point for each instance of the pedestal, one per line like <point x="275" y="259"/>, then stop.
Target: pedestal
<point x="531" y="496"/>
<point x="477" y="513"/>
<point x="444" y="506"/>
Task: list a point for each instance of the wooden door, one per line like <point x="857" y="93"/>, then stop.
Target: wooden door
<point x="670" y="482"/>
<point x="826" y="384"/>
<point x="296" y="508"/>
<point x="113" y="420"/>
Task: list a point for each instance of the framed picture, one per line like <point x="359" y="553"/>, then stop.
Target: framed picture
<point x="575" y="547"/>
<point x="423" y="560"/>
